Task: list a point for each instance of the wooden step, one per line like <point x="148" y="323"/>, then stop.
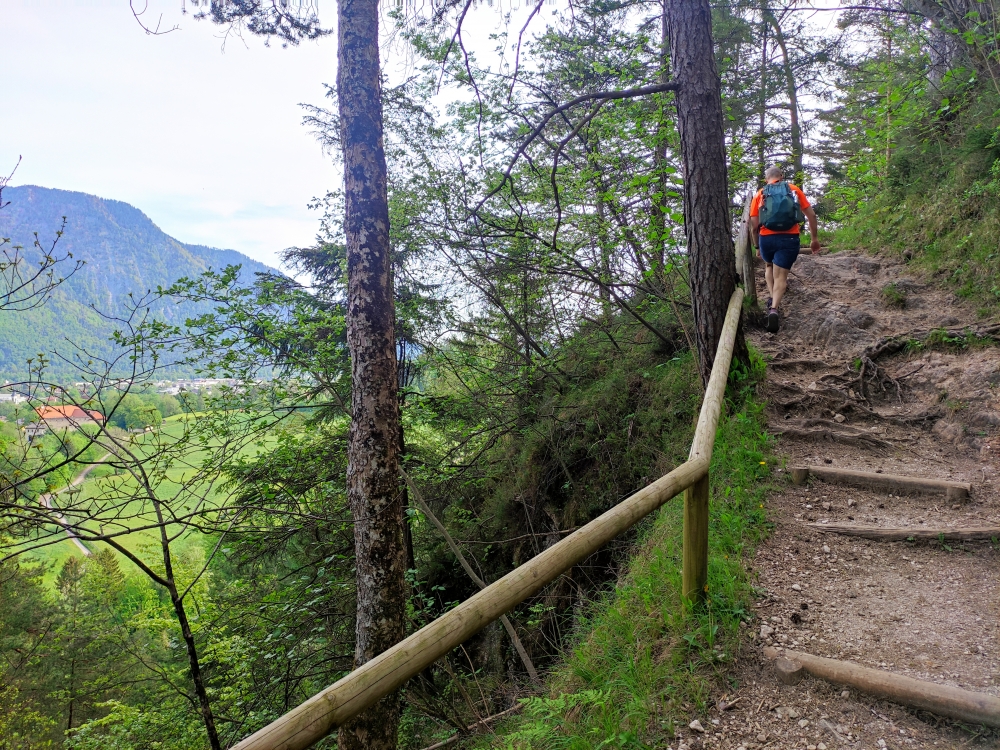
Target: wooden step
<point x="900" y="534"/>
<point x="944" y="700"/>
<point x="874" y="480"/>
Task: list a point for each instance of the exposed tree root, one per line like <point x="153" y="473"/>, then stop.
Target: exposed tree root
<point x="834" y="435"/>
<point x="809" y="363"/>
<point x="890" y="345"/>
<point x="837" y="401"/>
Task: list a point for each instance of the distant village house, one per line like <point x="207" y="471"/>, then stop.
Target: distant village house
<point x="67" y="417"/>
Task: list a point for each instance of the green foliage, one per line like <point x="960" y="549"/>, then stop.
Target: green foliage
<point x="922" y="176"/>
<point x="135" y="413"/>
<point x="893" y="295"/>
<point x="644" y="660"/>
<point x="125" y="727"/>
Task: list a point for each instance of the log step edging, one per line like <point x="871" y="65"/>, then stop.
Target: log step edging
<point x="943" y="700"/>
<point x="902" y="534"/>
<point x="872" y="480"/>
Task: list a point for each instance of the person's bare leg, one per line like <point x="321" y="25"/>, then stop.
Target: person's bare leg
<point x="769" y="279"/>
<point x="778" y="286"/>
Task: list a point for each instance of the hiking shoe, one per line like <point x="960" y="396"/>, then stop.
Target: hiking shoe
<point x="767" y="305"/>
<point x="773" y="320"/>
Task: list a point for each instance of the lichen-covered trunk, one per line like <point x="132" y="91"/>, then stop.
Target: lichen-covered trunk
<point x="706" y="189"/>
<point x="373" y="486"/>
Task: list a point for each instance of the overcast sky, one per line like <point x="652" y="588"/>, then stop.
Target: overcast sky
<point x="208" y="143"/>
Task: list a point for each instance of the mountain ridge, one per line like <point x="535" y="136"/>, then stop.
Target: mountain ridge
<point x="123" y="251"/>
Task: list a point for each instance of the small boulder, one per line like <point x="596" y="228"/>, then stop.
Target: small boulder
<point x="868" y="267"/>
<point x="860" y="319"/>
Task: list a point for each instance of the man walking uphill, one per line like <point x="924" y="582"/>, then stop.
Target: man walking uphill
<point x="775" y="215"/>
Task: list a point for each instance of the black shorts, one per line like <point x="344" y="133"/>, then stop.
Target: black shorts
<point x="780" y="249"/>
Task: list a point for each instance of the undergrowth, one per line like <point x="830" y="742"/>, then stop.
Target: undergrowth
<point x="942" y="340"/>
<point x="643" y="660"/>
<point x="938" y="206"/>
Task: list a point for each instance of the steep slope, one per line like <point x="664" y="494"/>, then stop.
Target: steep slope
<point x="124" y="252"/>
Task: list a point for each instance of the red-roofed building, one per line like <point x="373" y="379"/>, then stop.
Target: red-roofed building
<point x="67" y="417"/>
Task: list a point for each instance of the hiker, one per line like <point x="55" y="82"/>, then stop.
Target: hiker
<point x="775" y="215"/>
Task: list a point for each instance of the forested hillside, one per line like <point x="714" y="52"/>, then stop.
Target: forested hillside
<point x="505" y="332"/>
<point x="122" y="252"/>
<point x="920" y="170"/>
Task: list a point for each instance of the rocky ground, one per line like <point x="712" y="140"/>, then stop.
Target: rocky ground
<point x="841" y="396"/>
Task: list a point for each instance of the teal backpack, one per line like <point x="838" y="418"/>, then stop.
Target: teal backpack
<point x="779" y="207"/>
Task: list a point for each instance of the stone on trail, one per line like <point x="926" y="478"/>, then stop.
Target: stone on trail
<point x="696" y="726"/>
<point x="786" y="712"/>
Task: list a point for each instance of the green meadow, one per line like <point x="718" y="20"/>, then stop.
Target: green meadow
<point x="178" y="486"/>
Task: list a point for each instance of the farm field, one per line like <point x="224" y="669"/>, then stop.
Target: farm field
<point x="176" y="484"/>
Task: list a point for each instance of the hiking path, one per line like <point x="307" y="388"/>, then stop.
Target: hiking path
<point x="873" y="370"/>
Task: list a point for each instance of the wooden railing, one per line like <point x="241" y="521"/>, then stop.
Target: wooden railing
<point x="745" y="254"/>
<point x="324" y="712"/>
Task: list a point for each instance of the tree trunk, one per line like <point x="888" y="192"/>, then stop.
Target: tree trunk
<point x="793" y="100"/>
<point x="194" y="663"/>
<point x="762" y="103"/>
<point x="373" y="488"/>
<point x="706" y="197"/>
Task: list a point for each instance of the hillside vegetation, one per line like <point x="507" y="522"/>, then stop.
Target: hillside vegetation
<point x="125" y="256"/>
<point x="938" y="206"/>
<point x="917" y="139"/>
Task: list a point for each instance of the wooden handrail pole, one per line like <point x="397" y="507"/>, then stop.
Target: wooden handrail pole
<point x="695" y="571"/>
<point x="715" y="392"/>
<point x="311" y="721"/>
<point x="694" y="575"/>
<point x="745" y="254"/>
<point x="317" y="717"/>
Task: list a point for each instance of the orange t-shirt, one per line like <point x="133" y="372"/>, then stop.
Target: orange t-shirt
<point x="759" y="198"/>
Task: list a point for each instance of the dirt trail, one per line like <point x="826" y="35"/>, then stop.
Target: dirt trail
<point x="928" y="610"/>
<point x="46" y="500"/>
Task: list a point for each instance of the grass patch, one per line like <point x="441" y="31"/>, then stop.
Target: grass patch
<point x="643" y="660"/>
<point x="174" y="486"/>
<point x="893" y="295"/>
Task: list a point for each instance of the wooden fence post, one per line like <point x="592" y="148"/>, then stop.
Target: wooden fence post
<point x="745" y="255"/>
<point x="695" y="574"/>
